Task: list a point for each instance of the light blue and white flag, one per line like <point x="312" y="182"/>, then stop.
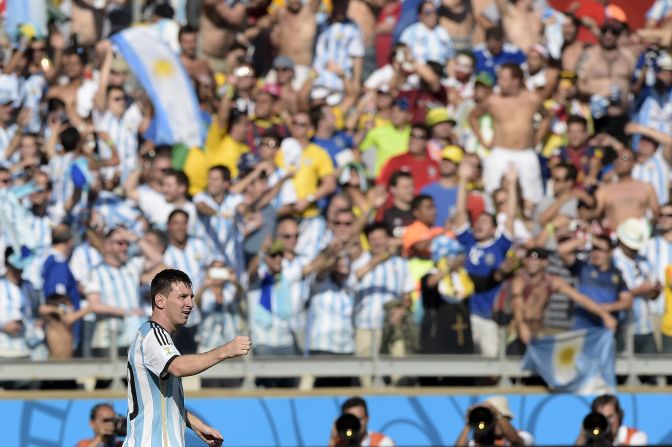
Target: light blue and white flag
<point x="27" y="17"/>
<point x="161" y="74"/>
<point x="580" y="362"/>
<point x="15" y="223"/>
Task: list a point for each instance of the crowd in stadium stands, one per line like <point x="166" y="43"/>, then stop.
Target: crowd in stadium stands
<point x="401" y="177"/>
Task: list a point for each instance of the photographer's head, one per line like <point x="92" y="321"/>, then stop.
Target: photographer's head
<point x="356" y="406"/>
<point x="609" y="407"/>
<point x="102" y="419"/>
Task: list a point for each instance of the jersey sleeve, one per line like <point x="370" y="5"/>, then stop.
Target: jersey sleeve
<point x="159" y="351"/>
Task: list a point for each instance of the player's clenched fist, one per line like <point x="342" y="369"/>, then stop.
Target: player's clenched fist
<point x="238" y="346"/>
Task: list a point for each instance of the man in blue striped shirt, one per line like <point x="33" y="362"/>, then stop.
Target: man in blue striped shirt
<point x="654" y="154"/>
<point x="427" y="40"/>
<point x="339" y="52"/>
<point x="156" y="412"/>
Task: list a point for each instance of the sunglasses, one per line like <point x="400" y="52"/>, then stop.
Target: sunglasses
<point x="342" y="223"/>
<point x="419" y="136"/>
<point x="121" y="242"/>
<point x="301" y="123"/>
<point x="289" y="236"/>
<point x="609" y="29"/>
<point x="284" y="69"/>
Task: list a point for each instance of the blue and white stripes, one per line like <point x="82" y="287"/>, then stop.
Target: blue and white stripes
<point x="330" y="317"/>
<point x="635" y="273"/>
<point x="656" y="172"/>
<point x="340" y="42"/>
<point x="428" y="44"/>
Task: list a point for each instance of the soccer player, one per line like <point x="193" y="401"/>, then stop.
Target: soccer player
<point x="156" y="413"/>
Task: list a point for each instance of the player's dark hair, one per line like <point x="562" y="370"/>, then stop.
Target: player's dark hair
<point x="354" y="402"/>
<point x="164" y="280"/>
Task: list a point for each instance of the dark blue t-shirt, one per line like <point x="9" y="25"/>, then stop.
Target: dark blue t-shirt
<point x="483" y="258"/>
<point x="601" y="287"/>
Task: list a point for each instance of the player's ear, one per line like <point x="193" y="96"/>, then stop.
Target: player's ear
<point x="160" y="301"/>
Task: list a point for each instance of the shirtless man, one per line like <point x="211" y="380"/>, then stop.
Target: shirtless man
<point x="59" y="316"/>
<point x="196" y="67"/>
<point x="522" y="22"/>
<point x="531" y="290"/>
<point x="220" y="21"/>
<point x="627" y="197"/>
<point x="456" y="17"/>
<point x="572" y="48"/>
<point x="78" y="93"/>
<point x="512" y="112"/>
<point x="295" y="35"/>
<point x="606" y="66"/>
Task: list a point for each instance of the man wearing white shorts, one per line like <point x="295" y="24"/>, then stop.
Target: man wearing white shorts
<point x="512" y="111"/>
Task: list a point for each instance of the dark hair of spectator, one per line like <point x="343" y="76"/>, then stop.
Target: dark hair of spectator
<point x="61" y="234"/>
<point x="187" y="29"/>
<point x="394" y="178"/>
<point x="574" y="19"/>
<point x="606" y="399"/>
<point x="223" y="170"/>
<point x="177" y="212"/>
<point x="160" y="235"/>
<point x="418" y="200"/>
<point x="576" y="119"/>
<point x="164" y="10"/>
<point x="516" y="71"/>
<point x="570" y="171"/>
<point x="424" y="2"/>
<point x="163" y="282"/>
<point x="180" y="177"/>
<point x="420" y="126"/>
<point x="375" y="226"/>
<point x="78" y="51"/>
<point x="283" y="219"/>
<point x="236" y="115"/>
<point x="354" y="402"/>
<point x="494" y="33"/>
<point x="273" y="134"/>
<point x="70" y="139"/>
<point x="94" y="410"/>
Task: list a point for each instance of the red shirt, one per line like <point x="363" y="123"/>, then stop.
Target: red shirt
<point x="390" y="13"/>
<point x="424" y="170"/>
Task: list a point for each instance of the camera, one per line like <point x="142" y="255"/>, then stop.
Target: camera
<point x="482" y="422"/>
<point x="596" y="429"/>
<point x="119" y="425"/>
<point x="349" y="429"/>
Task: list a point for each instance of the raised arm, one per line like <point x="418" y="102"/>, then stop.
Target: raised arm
<point x="480" y="110"/>
<point x="461" y="217"/>
<point x="192" y="364"/>
<point x="664" y="139"/>
<point x="560" y="285"/>
<point x="512" y="203"/>
<point x="100" y="100"/>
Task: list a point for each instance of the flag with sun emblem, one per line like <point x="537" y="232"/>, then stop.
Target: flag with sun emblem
<point x="177" y="116"/>
<point x="580" y="362"/>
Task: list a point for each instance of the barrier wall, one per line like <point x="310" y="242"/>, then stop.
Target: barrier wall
<point x="305" y="421"/>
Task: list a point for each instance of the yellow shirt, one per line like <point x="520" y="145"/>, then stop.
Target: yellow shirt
<point x="313" y="165"/>
<point x="196" y="169"/>
<point x="221" y="149"/>
<point x="666" y="324"/>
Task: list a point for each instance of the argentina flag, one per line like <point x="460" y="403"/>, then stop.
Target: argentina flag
<point x="177" y="117"/>
<point x="28" y="17"/>
<point x="580" y="362"/>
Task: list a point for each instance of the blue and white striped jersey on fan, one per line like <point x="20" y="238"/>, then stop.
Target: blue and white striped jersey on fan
<point x="84" y="258"/>
<point x="31" y="91"/>
<point x="115" y="211"/>
<point x="59" y="173"/>
<point x="221" y="322"/>
<point x="428" y="44"/>
<point x="41" y="227"/>
<point x="220" y="232"/>
<point x="118" y="287"/>
<point x="123" y="132"/>
<point x="156" y="413"/>
<point x="6" y="135"/>
<point x="340" y="42"/>
<point x="388" y="281"/>
<point x="14" y="306"/>
<point x="287" y="318"/>
<point x="313" y="236"/>
<point x="635" y="273"/>
<point x="658" y="251"/>
<point x="330" y="316"/>
<point x="656" y="172"/>
<point x="193" y="260"/>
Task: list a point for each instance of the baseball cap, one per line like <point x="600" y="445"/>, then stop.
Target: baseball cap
<point x="437" y="115"/>
<point x="247" y="162"/>
<point x="485" y="78"/>
<point x="452" y="153"/>
<point x="501" y="404"/>
<point x="283" y="62"/>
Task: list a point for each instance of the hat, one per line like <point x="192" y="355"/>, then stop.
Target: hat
<point x="452" y="153"/>
<point x="443" y="247"/>
<point x="402" y="102"/>
<point x="247" y="162"/>
<point x="537" y="253"/>
<point x="634" y="233"/>
<point x="438" y="115"/>
<point x="485" y="78"/>
<point x="119" y="65"/>
<point x="9" y="89"/>
<point x="664" y="62"/>
<point x="283" y="62"/>
<point x="501" y="404"/>
<point x="540" y="49"/>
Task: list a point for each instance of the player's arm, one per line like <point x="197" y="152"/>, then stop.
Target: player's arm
<point x="192" y="364"/>
<point x="208" y="434"/>
<point x="560" y="285"/>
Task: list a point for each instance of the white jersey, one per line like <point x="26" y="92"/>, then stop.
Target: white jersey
<point x="156" y="413"/>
